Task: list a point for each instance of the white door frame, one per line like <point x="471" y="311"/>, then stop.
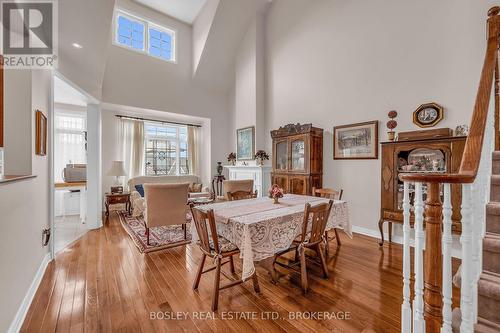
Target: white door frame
<point x="90" y="101"/>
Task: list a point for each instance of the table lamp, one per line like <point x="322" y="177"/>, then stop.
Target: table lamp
<point x="117" y="170"/>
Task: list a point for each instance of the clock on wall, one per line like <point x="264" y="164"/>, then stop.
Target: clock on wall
<point x="428" y="115"/>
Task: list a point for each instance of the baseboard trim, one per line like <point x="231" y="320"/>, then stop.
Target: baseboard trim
<point x="376" y="234"/>
<point x="455" y="252"/>
<point x="18" y="321"/>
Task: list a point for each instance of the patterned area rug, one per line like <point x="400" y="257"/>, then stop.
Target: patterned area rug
<point x="159" y="237"/>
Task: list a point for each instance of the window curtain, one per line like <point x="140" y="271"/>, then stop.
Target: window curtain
<point x="193" y="150"/>
<point x="132" y="140"/>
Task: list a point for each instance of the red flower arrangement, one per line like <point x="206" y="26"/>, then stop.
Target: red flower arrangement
<point x="275" y="192"/>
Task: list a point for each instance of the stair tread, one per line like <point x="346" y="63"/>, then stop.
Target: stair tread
<point x="486" y="326"/>
<point x="496" y="155"/>
<point x="489" y="285"/>
<point x="495" y="180"/>
<point x="491" y="242"/>
<point x="493" y="208"/>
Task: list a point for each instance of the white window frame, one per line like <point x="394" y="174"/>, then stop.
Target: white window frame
<point x="147" y="24"/>
<point x="177" y="152"/>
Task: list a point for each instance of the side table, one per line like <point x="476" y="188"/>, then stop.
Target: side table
<point x="118" y="198"/>
<point x="217" y="185"/>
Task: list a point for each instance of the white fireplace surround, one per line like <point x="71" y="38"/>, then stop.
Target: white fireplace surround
<point x="261" y="176"/>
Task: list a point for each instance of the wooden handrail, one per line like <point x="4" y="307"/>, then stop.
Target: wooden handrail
<point x="474" y="143"/>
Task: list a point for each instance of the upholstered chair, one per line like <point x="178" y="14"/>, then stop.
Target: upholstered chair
<point x="166" y="204"/>
<point x="237" y="185"/>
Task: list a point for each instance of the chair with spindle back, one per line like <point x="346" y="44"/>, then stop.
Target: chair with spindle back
<point x="237" y="185"/>
<point x="310" y="238"/>
<point x="241" y="195"/>
<point x="333" y="195"/>
<point x="218" y="248"/>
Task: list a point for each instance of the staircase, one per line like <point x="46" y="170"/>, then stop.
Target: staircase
<point x="489" y="282"/>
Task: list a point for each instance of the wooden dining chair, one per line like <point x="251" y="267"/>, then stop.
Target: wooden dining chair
<point x="219" y="248"/>
<point x="310" y="238"/>
<point x="332" y="194"/>
<point x="240" y="195"/>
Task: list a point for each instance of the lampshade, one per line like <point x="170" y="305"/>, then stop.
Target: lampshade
<point x="117" y="169"/>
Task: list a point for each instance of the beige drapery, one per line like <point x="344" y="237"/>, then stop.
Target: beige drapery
<point x="132" y="147"/>
<point x="193" y="150"/>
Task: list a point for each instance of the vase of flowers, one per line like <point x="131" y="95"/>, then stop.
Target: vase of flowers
<point x="391" y="125"/>
<point x="261" y="156"/>
<point x="231" y="158"/>
<point x="275" y="193"/>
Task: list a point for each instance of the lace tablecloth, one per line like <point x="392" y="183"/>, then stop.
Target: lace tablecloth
<point x="260" y="228"/>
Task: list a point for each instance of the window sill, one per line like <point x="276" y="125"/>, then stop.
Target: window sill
<point x="9" y="178"/>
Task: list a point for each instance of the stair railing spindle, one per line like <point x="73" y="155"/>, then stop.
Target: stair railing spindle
<point x="447" y="273"/>
<point x="406" y="307"/>
<point x="418" y="302"/>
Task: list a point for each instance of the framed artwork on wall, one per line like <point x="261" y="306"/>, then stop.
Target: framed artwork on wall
<point x="245" y="143"/>
<point x="41" y="133"/>
<point x="428" y="115"/>
<point x="356" y="141"/>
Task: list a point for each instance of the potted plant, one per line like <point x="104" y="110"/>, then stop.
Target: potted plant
<point x="275" y="193"/>
<point x="260" y="156"/>
<point x="391" y="125"/>
<point x="231" y="158"/>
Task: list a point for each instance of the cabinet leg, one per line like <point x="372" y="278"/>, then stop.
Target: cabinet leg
<point x="381" y="228"/>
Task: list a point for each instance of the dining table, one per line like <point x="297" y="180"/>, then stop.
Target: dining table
<point x="261" y="228"/>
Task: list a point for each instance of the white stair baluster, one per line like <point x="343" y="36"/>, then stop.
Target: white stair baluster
<point x="418" y="302"/>
<point x="466" y="291"/>
<point x="405" y="307"/>
<point x="447" y="274"/>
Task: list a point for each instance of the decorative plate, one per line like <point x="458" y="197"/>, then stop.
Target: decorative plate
<point x="428" y="115"/>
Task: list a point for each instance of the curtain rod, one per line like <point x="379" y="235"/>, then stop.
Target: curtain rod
<point x="156" y="121"/>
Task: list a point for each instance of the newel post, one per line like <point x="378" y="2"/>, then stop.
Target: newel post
<point x="433" y="265"/>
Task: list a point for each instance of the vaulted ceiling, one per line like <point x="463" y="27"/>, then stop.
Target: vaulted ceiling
<point x="183" y="10"/>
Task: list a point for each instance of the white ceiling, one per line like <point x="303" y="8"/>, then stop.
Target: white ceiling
<point x="66" y="94"/>
<point x="183" y="10"/>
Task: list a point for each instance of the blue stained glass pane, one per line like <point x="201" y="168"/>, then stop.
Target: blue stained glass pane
<point x="166" y="55"/>
<point x="154" y="34"/>
<point x="124" y="22"/>
<point x="155" y="42"/>
<point x="137" y="36"/>
<point x="124" y="31"/>
<point x="137" y="45"/>
<point x="155" y="51"/>
<point x="165" y="46"/>
<point x="166" y="37"/>
<point x="138" y="27"/>
<point x="124" y="40"/>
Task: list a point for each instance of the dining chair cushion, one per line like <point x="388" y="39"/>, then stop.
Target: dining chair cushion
<point x="224" y="245"/>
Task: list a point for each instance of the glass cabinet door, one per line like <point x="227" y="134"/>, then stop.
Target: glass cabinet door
<point x="282" y="155"/>
<point x="298" y="154"/>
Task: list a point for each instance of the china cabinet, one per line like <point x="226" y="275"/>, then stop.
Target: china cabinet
<point x="297" y="158"/>
<point x="420" y="154"/>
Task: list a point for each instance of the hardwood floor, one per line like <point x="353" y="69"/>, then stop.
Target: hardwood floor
<point x="102" y="284"/>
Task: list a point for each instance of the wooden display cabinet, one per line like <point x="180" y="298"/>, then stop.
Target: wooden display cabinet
<point x="442" y="154"/>
<point x="297" y="158"/>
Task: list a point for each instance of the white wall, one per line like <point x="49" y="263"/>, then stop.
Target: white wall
<point x="24" y="204"/>
<point x="332" y="62"/>
<point x="201" y="29"/>
<point x="141" y="81"/>
<point x="249" y="87"/>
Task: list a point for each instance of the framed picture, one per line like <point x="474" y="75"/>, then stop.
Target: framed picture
<point x="41" y="133"/>
<point x="356" y="141"/>
<point x="245" y="143"/>
<point x="428" y="115"/>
